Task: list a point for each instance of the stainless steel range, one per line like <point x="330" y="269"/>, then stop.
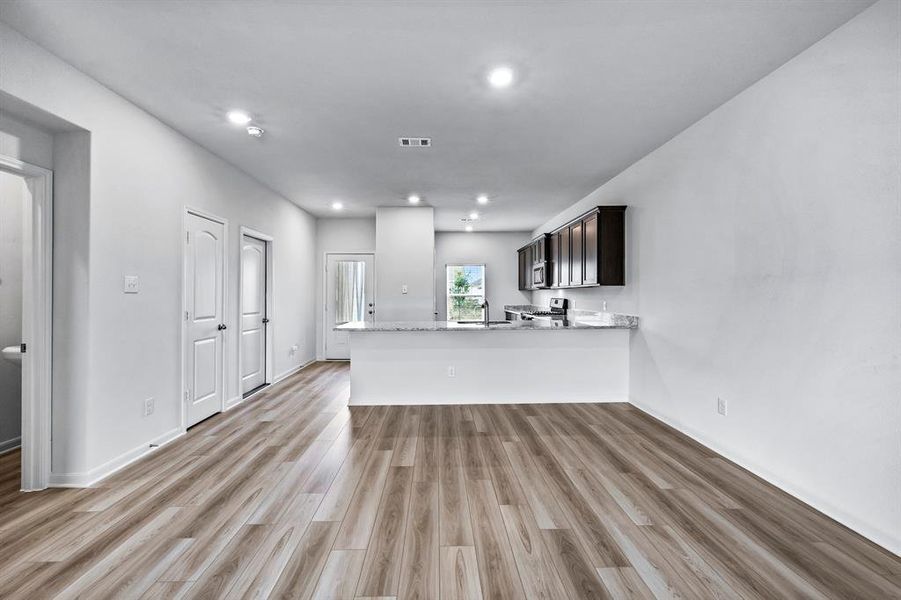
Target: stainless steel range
<point x="557" y="310"/>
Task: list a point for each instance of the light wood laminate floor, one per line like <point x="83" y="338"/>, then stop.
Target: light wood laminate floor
<point x="293" y="495"/>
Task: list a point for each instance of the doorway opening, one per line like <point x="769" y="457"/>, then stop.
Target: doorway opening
<point x="26" y="227"/>
<point x="255" y="312"/>
<point x="350" y="298"/>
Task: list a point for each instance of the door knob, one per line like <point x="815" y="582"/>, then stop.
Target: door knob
<point x="222" y="326"/>
<point x="265" y="320"/>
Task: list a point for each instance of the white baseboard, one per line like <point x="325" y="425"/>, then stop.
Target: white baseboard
<point x="230" y="404"/>
<point x="292" y="371"/>
<point x="10" y="445"/>
<point x="89" y="478"/>
<point x="881" y="538"/>
<point x="389" y="401"/>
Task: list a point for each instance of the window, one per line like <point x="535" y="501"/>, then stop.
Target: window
<point x="465" y="292"/>
<point x="349" y="282"/>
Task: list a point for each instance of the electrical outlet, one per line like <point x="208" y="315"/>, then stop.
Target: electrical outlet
<point x="451" y="371"/>
<point x="131" y="284"/>
<point x="293" y="350"/>
<point x="148" y="407"/>
<point x="403" y="289"/>
<point x="721" y="406"/>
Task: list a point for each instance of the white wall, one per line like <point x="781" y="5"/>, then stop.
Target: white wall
<point x="141" y="176"/>
<point x="337" y="236"/>
<point x="405" y="256"/>
<point x="497" y="251"/>
<point x="24" y="141"/>
<point x="765" y="263"/>
<point x="12" y="201"/>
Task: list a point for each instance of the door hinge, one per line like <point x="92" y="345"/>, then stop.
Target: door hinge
<point x="186" y="316"/>
<point x="187" y="395"/>
<point x="187" y="237"/>
<point x="22" y="348"/>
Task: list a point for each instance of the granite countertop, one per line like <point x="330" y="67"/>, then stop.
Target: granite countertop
<point x="587" y="321"/>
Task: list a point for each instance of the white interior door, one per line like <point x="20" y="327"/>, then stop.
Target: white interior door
<point x="253" y="313"/>
<point x="204" y="305"/>
<point x="349" y="298"/>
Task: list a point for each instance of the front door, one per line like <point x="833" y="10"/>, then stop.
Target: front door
<point x="204" y="311"/>
<point x="349" y="299"/>
<point x="253" y="313"/>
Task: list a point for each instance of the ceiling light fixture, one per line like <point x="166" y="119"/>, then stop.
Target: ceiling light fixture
<point x="469" y="228"/>
<point x="337" y="205"/>
<point x="483" y="199"/>
<point x="500" y="77"/>
<point x="413" y="199"/>
<point x="473" y="215"/>
<point x="238" y="117"/>
<point x="255" y="131"/>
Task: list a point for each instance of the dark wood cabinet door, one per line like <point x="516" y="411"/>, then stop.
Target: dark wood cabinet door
<point x="521" y="257"/>
<point x="612" y="234"/>
<point x="564" y="257"/>
<point x="528" y="274"/>
<point x="555" y="260"/>
<point x="590" y="249"/>
<point x="576" y="254"/>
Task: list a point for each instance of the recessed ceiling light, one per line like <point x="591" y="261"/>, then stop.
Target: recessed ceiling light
<point x="255" y="131"/>
<point x="238" y="117"/>
<point x="473" y="215"/>
<point x="469" y="228"/>
<point x="483" y="199"/>
<point x="337" y="205"/>
<point x="500" y="77"/>
<point x="413" y="199"/>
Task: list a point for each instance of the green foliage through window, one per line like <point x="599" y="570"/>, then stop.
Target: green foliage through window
<point x="465" y="292"/>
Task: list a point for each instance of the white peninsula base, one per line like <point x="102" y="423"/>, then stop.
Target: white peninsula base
<point x="489" y="367"/>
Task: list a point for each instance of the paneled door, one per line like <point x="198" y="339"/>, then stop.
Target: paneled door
<point x="349" y="298"/>
<point x="254" y="316"/>
<point x="204" y="315"/>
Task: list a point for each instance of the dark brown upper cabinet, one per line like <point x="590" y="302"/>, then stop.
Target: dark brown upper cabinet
<point x="535" y="269"/>
<point x="587" y="251"/>
<point x="590" y="249"/>
<point x="525" y="268"/>
<point x="576" y="254"/>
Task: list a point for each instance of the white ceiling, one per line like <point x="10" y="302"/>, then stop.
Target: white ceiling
<point x="334" y="84"/>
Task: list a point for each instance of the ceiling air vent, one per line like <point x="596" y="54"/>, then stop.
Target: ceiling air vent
<point x="411" y="142"/>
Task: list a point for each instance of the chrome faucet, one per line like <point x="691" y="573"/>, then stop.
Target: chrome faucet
<point x="485" y="306"/>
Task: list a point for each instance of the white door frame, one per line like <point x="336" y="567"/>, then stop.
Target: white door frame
<point x="183" y="420"/>
<point x="37" y="326"/>
<point x="325" y="284"/>
<point x="269" y="240"/>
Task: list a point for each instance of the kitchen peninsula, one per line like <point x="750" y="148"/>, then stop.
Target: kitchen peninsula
<point x="580" y="359"/>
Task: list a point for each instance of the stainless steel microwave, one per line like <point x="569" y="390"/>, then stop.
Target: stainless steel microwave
<point x="539" y="275"/>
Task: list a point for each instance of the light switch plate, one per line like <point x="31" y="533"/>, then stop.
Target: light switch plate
<point x="403" y="289"/>
<point x="722" y="407"/>
<point x="130" y="284"/>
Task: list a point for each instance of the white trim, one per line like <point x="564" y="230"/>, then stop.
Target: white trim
<point x="10" y="445"/>
<point x="188" y="210"/>
<point x="292" y="371"/>
<point x="233" y="402"/>
<point x="268" y="240"/>
<point x="37" y="324"/>
<point x="89" y="478"/>
<point x="882" y="538"/>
